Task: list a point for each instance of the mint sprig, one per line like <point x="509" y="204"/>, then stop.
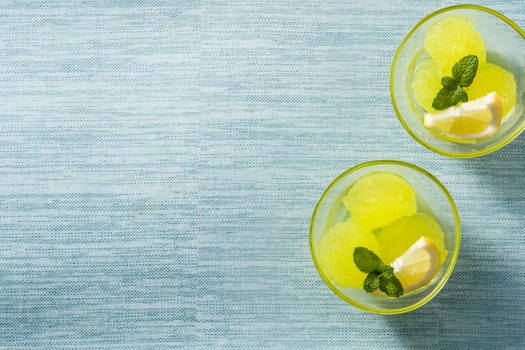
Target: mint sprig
<point x="380" y="276"/>
<point x="453" y="91"/>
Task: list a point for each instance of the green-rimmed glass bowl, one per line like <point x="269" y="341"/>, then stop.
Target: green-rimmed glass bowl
<point x="432" y="198"/>
<point x="505" y="45"/>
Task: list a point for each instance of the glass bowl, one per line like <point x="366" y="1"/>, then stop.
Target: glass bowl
<point x="432" y="198"/>
<point x="505" y="46"/>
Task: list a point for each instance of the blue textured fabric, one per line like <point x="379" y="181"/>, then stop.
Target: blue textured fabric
<point x="160" y="161"/>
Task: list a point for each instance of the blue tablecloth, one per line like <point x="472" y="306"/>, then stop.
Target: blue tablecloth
<point x="160" y="161"/>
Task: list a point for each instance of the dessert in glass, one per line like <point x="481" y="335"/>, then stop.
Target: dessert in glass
<point x="385" y="236"/>
<point x="458" y="81"/>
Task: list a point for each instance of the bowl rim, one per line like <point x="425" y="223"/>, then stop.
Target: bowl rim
<point x="401" y="46"/>
<point x="454" y="254"/>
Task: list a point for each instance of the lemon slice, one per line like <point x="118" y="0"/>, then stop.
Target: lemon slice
<point x="473" y="120"/>
<point x="418" y="265"/>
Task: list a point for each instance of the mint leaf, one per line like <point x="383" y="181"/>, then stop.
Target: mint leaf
<point x="379" y="275"/>
<point x="447" y="98"/>
<point x="371" y="282"/>
<point x="388" y="273"/>
<point x="366" y="260"/>
<point x="443" y="99"/>
<point x="382" y="268"/>
<point x="459" y="95"/>
<point x="390" y="286"/>
<point x="452" y="92"/>
<point x="449" y="83"/>
<point x="465" y="70"/>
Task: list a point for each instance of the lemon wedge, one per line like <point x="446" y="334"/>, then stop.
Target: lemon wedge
<point x="418" y="265"/>
<point x="473" y="120"/>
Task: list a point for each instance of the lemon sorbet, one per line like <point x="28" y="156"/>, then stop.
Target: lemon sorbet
<point x="465" y="97"/>
<point x="385" y="245"/>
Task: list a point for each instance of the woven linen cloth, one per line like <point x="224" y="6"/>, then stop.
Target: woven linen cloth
<point x="160" y="162"/>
